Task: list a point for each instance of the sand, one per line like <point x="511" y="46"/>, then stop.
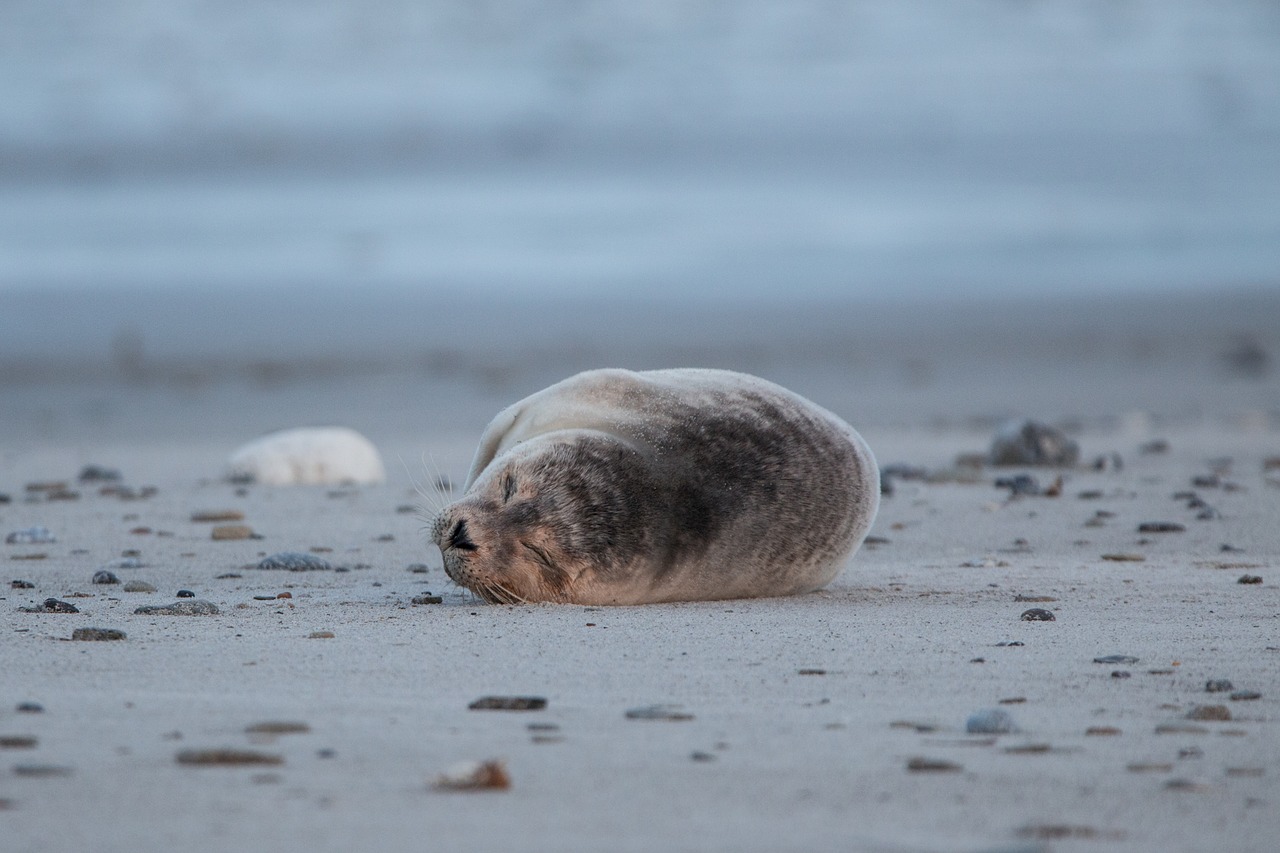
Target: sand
<point x="807" y="712"/>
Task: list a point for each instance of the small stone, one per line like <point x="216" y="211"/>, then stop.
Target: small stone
<point x="1219" y="713"/>
<point x="30" y="536"/>
<point x="231" y="532"/>
<point x="1149" y="767"/>
<point x="702" y="757"/>
<point x="18" y="742"/>
<point x="104" y="576"/>
<point x="1161" y="527"/>
<point x="419" y="568"/>
<point x="278" y="727"/>
<point x="1185" y="785"/>
<point x="186" y="593"/>
<point x="137" y="586"/>
<point x="1022" y="484"/>
<point x="226" y="757"/>
<point x="51" y="605"/>
<point x="1030" y="443"/>
<point x="1245" y="695"/>
<point x="1120" y="673"/>
<point x="1249" y="579"/>
<point x="1190" y="752"/>
<point x="215" y="515"/>
<point x="190" y="607"/>
<point x="811" y="671"/>
<point x="474" y="776"/>
<point x="932" y="765"/>
<point x="228" y="576"/>
<point x="670" y="713"/>
<point x="98" y="474"/>
<point x="320" y="635"/>
<point x="294" y="561"/>
<point x="1101" y="731"/>
<point x="264" y="598"/>
<point x="123" y="563"/>
<point x="508" y="703"/>
<point x="427" y="599"/>
<point x="1218" y="685"/>
<point x="29" y="708"/>
<point x="990" y="721"/>
<point x="1246" y="772"/>
<point x="1124" y="558"/>
<point x="1116" y="659"/>
<point x="21" y="584"/>
<point x="97" y="634"/>
<point x="40" y="771"/>
<point x="1180" y="729"/>
<point x="1037" y="614"/>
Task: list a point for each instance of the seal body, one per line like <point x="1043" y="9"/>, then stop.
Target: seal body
<point x="618" y="487"/>
<point x="307" y="456"/>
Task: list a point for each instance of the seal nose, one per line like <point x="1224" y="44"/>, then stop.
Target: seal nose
<point x="458" y="537"/>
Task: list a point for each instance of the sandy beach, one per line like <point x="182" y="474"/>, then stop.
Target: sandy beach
<point x="831" y="721"/>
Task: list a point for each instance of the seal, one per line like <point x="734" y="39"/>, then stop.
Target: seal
<point x="620" y="487"/>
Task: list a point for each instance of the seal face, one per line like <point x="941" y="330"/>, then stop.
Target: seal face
<point x="615" y="487"/>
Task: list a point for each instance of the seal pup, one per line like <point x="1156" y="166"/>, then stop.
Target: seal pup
<point x="621" y="487"/>
<point x="307" y="456"/>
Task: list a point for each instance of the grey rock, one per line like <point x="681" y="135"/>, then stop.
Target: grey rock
<point x="294" y="561"/>
<point x="1030" y="443"/>
<point x="990" y="721"/>
<point x="138" y="586"/>
<point x="187" y="607"/>
<point x="30" y="536"/>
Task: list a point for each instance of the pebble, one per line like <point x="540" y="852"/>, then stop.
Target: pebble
<point x="1101" y="731"/>
<point x="21" y="584"/>
<point x="294" y="561"/>
<point x="1185" y="785"/>
<point x="419" y="568"/>
<point x="670" y="713"/>
<point x="1245" y="695"/>
<point x="1218" y="713"/>
<point x="427" y="599"/>
<point x="474" y="776"/>
<point x="1022" y="484"/>
<point x="990" y="721"/>
<point x="30" y="536"/>
<point x="1149" y="767"/>
<point x="99" y="474"/>
<point x="226" y="757"/>
<point x="97" y="634"/>
<point x="320" y="635"/>
<point x="1120" y="673"/>
<point x="1247" y="772"/>
<point x="29" y="708"/>
<point x="1218" y="685"/>
<point x="191" y="607"/>
<point x="1028" y="442"/>
<point x="104" y="576"/>
<point x="1124" y="558"/>
<point x="1161" y="527"/>
<point x="40" y="771"/>
<point x="932" y="765"/>
<point x="137" y="586"/>
<point x="217" y="515"/>
<point x="18" y="742"/>
<point x="508" y="703"/>
<point x="123" y="563"/>
<point x="1037" y="614"/>
<point x="278" y="727"/>
<point x="51" y="605"/>
<point x="1116" y="659"/>
<point x="231" y="532"/>
<point x="1249" y="579"/>
<point x="186" y="593"/>
<point x="1180" y="729"/>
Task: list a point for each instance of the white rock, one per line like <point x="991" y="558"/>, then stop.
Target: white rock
<point x="308" y="456"/>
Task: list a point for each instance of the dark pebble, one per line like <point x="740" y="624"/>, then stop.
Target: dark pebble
<point x="18" y="742"/>
<point x="932" y="765"/>
<point x="1249" y="579"/>
<point x="19" y="584"/>
<point x="29" y="708"/>
<point x="97" y="634"/>
<point x="278" y="727"/>
<point x="294" y="561"/>
<point x="193" y="607"/>
<point x="1217" y="713"/>
<point x="1245" y="695"/>
<point x="226" y="757"/>
<point x="671" y="713"/>
<point x="98" y="474"/>
<point x="419" y="568"/>
<point x="1218" y="685"/>
<point x="1154" y="448"/>
<point x="1011" y="643"/>
<point x="812" y="671"/>
<point x="700" y="756"/>
<point x="51" y="605"/>
<point x="217" y="515"/>
<point x="104" y="576"/>
<point x="1023" y="484"/>
<point x="1120" y="673"/>
<point x="427" y="599"/>
<point x="508" y="703"/>
<point x="1116" y="659"/>
<point x="990" y="721"/>
<point x="1037" y="614"/>
<point x="1160" y="527"/>
<point x="264" y="598"/>
<point x="228" y="576"/>
<point x="186" y="593"/>
<point x="40" y="771"/>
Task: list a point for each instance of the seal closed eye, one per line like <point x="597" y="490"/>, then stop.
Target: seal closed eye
<point x="655" y="486"/>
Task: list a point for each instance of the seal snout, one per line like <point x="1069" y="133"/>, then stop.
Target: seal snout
<point x="459" y="538"/>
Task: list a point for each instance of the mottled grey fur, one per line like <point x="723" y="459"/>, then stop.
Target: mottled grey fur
<point x="614" y="487"/>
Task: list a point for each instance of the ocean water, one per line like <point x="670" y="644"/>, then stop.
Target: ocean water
<point x="675" y="150"/>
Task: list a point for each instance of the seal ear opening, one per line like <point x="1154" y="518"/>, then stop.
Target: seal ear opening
<point x="508" y="486"/>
